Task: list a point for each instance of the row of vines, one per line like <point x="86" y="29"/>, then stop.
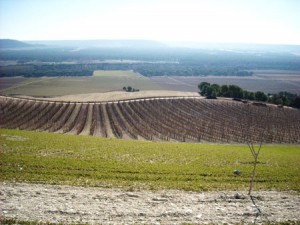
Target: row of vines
<point x="184" y="120"/>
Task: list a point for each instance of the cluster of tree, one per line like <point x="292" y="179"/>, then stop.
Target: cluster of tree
<point x="189" y="70"/>
<point x="285" y="98"/>
<point x="130" y="89"/>
<point x="236" y="92"/>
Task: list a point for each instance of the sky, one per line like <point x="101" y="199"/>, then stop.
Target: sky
<point x="218" y="21"/>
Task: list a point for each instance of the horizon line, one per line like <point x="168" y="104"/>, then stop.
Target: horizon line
<point x="153" y="40"/>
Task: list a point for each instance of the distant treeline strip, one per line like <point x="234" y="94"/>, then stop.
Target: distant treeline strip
<point x="146" y="69"/>
<point x="45" y="70"/>
<point x="186" y="57"/>
<point x="237" y="93"/>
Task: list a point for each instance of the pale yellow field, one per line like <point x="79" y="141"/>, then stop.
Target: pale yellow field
<point x="117" y="74"/>
<point x="122" y="95"/>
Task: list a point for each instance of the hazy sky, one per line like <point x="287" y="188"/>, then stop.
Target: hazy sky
<point x="242" y="21"/>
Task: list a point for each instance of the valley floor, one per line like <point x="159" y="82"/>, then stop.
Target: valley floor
<point x="66" y="204"/>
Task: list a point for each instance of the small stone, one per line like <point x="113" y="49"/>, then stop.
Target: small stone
<point x="237" y="172"/>
<point x="239" y="196"/>
<point x="132" y="195"/>
<point x="199" y="216"/>
<point x="188" y="212"/>
<point x="160" y="199"/>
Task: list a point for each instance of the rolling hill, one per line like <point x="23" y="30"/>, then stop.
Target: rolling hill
<point x="183" y="119"/>
<point x="10" y="43"/>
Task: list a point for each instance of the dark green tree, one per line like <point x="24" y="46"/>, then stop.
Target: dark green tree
<point x="296" y="102"/>
<point x="235" y="91"/>
<point x="202" y="85"/>
<point x="224" y="92"/>
<point x="129" y="88"/>
<point x="260" y="96"/>
<point x="216" y="89"/>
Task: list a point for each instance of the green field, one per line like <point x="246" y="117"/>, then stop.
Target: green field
<point x="89" y="161"/>
<point x="101" y="81"/>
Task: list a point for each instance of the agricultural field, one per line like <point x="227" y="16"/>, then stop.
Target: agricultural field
<point x="48" y="158"/>
<point x="121" y="95"/>
<point x="66" y="179"/>
<point x="101" y="81"/>
<point x="8" y="82"/>
<point x="268" y="81"/>
<point x="183" y="119"/>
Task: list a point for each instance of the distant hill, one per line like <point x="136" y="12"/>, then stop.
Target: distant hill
<point x="102" y="43"/>
<point x="238" y="47"/>
<point x="10" y="43"/>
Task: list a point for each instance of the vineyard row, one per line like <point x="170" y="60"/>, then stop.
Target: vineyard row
<point x="184" y="120"/>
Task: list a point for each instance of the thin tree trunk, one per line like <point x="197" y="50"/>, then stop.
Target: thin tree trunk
<point x="253" y="175"/>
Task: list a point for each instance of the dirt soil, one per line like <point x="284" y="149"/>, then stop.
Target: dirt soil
<point x="36" y="202"/>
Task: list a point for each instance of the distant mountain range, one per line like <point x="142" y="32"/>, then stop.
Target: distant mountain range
<point x="10" y="43"/>
<point x="236" y="47"/>
<point x="102" y="43"/>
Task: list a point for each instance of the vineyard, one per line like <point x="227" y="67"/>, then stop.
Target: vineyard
<point x="160" y="119"/>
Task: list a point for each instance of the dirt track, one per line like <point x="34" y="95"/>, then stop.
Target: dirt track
<point x="117" y="206"/>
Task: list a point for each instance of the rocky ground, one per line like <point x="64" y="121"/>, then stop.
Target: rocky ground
<point x="36" y="202"/>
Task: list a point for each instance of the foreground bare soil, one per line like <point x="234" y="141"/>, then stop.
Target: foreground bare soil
<point x="36" y="202"/>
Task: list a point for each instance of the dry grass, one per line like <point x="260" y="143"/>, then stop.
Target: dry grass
<point x="122" y="95"/>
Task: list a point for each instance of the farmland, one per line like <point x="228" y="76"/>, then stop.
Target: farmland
<point x="49" y="158"/>
<point x="268" y="81"/>
<point x="184" y="119"/>
<point x="115" y="180"/>
<point x="101" y="81"/>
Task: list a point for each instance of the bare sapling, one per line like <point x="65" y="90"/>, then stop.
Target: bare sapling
<point x="255" y="154"/>
<point x="254" y="142"/>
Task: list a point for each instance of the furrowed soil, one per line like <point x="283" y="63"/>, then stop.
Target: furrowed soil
<point x="66" y="204"/>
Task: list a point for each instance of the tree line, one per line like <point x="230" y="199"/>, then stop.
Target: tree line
<point x="233" y="91"/>
<point x="146" y="69"/>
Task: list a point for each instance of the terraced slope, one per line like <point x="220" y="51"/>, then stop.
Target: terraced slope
<point x="169" y="119"/>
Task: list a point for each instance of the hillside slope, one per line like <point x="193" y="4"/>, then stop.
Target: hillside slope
<point x="184" y="119"/>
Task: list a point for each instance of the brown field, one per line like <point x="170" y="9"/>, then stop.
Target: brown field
<point x="101" y="81"/>
<point x="8" y="82"/>
<point x="268" y="81"/>
<point x="184" y="119"/>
